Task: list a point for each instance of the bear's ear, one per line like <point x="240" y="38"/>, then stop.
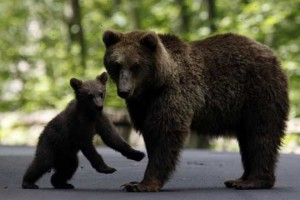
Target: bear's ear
<point x="150" y="40"/>
<point x="75" y="83"/>
<point x="110" y="38"/>
<point x="102" y="78"/>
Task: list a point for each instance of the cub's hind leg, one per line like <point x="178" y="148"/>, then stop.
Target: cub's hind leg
<point x="42" y="163"/>
<point x="64" y="170"/>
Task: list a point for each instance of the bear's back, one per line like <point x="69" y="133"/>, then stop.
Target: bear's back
<point x="228" y="48"/>
<point x="172" y="42"/>
<point x="239" y="76"/>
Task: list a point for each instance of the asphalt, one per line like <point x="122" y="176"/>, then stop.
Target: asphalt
<point x="199" y="175"/>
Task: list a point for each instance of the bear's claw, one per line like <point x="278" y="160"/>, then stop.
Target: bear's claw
<point x="249" y="184"/>
<point x="139" y="187"/>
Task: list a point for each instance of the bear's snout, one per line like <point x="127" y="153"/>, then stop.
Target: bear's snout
<point x="123" y="93"/>
<point x="125" y="85"/>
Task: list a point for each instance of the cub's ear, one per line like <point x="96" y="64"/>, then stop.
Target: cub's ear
<point x="75" y="83"/>
<point x="150" y="40"/>
<point x="102" y="78"/>
<point x="110" y="38"/>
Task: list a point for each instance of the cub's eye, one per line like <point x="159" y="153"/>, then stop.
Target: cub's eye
<point x="90" y="96"/>
<point x="101" y="94"/>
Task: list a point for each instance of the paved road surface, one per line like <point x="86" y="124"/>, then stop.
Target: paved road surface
<point x="200" y="175"/>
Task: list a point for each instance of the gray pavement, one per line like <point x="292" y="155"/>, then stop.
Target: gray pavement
<point x="200" y="175"/>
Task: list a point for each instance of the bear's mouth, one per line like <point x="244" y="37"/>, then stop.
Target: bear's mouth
<point x="125" y="94"/>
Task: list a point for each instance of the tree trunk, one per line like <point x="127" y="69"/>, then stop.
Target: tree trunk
<point x="136" y="15"/>
<point x="73" y="20"/>
<point x="211" y="7"/>
<point x="185" y="16"/>
<point x="245" y="1"/>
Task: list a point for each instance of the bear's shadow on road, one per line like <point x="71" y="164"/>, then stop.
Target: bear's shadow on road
<point x="170" y="190"/>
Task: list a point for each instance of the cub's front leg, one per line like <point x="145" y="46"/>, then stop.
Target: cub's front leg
<point x="95" y="159"/>
<point x="112" y="139"/>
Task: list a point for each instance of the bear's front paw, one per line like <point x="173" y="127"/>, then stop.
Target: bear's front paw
<point x="135" y="155"/>
<point x="140" y="187"/>
<point x="232" y="183"/>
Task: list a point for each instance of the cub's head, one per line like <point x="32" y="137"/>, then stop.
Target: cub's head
<point x="135" y="61"/>
<point x="91" y="93"/>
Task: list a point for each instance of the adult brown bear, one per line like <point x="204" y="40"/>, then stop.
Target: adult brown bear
<point x="223" y="85"/>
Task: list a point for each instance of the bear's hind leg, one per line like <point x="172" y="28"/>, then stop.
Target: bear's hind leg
<point x="259" y="147"/>
<point x="65" y="168"/>
<point x="246" y="165"/>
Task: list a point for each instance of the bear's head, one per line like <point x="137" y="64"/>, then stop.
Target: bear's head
<point x="136" y="61"/>
<point x="90" y="94"/>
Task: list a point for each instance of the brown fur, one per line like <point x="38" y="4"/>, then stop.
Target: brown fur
<point x="223" y="85"/>
<point x="73" y="130"/>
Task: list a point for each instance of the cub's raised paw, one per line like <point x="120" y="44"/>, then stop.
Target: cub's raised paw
<point x="139" y="187"/>
<point x="29" y="186"/>
<point x="64" y="186"/>
<point x="135" y="155"/>
<point x="106" y="170"/>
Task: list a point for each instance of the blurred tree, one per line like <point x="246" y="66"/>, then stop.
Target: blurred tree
<point x="72" y="13"/>
<point x="211" y="15"/>
<point x="136" y="14"/>
<point x="185" y="16"/>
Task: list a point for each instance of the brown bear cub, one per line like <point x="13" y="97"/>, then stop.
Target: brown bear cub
<point x="226" y="84"/>
<point x="73" y="130"/>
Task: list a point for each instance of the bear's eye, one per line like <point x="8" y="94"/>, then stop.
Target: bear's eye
<point x="135" y="67"/>
<point x="117" y="66"/>
<point x="115" y="69"/>
<point x="90" y="96"/>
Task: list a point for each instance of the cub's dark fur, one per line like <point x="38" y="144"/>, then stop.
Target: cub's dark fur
<point x="226" y="84"/>
<point x="73" y="130"/>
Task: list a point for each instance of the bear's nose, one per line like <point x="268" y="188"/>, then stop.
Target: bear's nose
<point x="98" y="103"/>
<point x="123" y="93"/>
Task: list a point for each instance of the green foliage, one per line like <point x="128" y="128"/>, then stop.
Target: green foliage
<point x="38" y="57"/>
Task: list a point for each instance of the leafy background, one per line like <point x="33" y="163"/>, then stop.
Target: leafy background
<point x="46" y="42"/>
